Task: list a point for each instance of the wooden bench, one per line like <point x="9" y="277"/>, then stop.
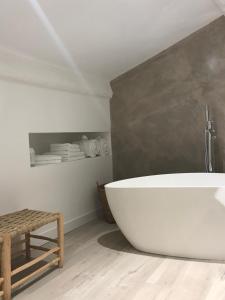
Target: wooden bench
<point x="23" y="223"/>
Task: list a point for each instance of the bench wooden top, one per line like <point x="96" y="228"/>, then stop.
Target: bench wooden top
<point x="23" y="221"/>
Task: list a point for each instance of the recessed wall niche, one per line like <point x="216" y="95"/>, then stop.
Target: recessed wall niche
<point x="46" y="148"/>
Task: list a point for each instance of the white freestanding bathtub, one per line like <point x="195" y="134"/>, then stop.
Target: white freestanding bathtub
<point x="176" y="214"/>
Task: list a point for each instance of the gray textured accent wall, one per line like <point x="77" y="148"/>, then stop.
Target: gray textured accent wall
<point x="157" y="108"/>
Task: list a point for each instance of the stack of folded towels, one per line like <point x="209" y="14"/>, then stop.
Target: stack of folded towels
<point x="67" y="152"/>
<point x="47" y="159"/>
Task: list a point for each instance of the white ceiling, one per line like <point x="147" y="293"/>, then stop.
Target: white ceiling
<point x="104" y="37"/>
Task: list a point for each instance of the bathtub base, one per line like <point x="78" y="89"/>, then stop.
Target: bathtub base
<point x="173" y="221"/>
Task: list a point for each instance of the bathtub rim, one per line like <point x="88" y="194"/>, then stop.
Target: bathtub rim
<point x="127" y="183"/>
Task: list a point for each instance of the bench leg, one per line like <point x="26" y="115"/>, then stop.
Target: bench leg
<point x="6" y="266"/>
<point x="27" y="245"/>
<point x="60" y="230"/>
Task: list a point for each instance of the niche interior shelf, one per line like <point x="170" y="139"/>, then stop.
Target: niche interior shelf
<point x="40" y="142"/>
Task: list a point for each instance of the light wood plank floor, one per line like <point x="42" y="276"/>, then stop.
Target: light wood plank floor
<point x="101" y="265"/>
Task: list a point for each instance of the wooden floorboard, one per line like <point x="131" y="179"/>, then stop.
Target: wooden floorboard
<point x="101" y="265"/>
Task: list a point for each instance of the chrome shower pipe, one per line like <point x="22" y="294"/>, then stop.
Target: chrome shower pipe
<point x="209" y="142"/>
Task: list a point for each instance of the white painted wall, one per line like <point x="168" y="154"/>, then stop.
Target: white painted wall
<point x="221" y="5"/>
<point x="68" y="187"/>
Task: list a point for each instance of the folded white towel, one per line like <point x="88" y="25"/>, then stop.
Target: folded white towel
<point x="74" y="158"/>
<point x="64" y="146"/>
<point x="49" y="157"/>
<point x="47" y="162"/>
<point x="65" y="154"/>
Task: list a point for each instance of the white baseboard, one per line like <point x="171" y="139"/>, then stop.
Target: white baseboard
<point x="68" y="225"/>
<point x="81" y="220"/>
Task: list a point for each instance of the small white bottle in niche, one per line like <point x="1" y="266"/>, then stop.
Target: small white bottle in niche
<point x="103" y="146"/>
<point x="89" y="147"/>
